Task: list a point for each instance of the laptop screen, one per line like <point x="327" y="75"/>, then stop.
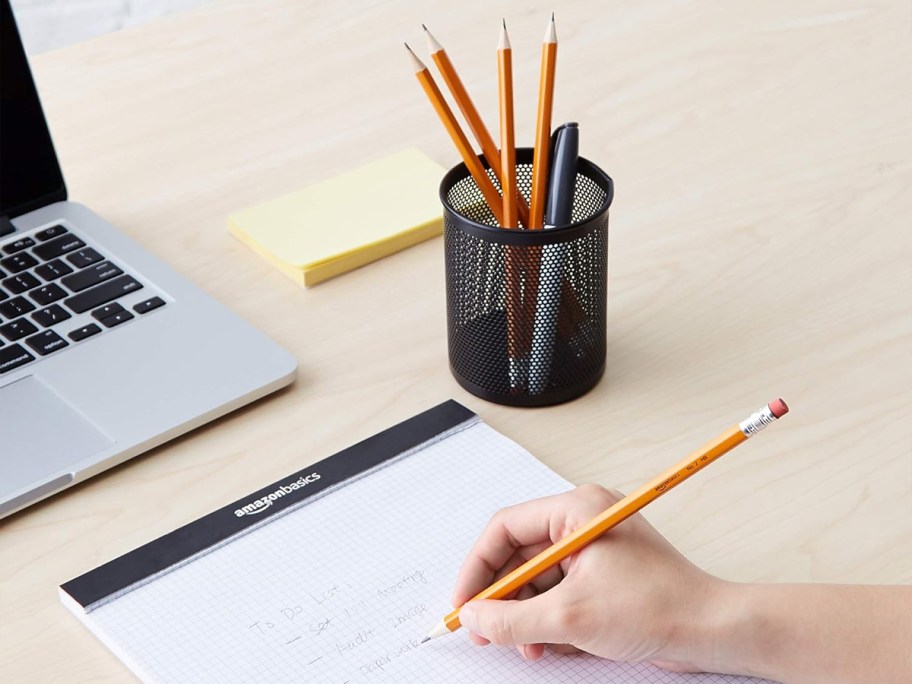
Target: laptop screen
<point x="30" y="176"/>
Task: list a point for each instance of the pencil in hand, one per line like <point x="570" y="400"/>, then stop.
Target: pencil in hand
<point x="623" y="509"/>
<point x="492" y="197"/>
<point x="470" y="112"/>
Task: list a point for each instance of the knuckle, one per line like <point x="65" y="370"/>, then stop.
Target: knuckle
<point x="597" y="494"/>
<point x="496" y="521"/>
<point x="614" y="495"/>
<point x="570" y="619"/>
<point x="589" y="489"/>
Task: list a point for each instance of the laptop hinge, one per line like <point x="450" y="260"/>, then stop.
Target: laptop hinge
<point x="6" y="226"/>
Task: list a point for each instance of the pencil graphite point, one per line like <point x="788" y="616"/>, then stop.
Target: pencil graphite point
<point x="439" y="630"/>
<point x="504" y="42"/>
<point x="418" y="64"/>
<point x="551" y="31"/>
<point x="432" y="45"/>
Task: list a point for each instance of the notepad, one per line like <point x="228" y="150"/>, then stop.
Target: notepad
<point x="347" y="221"/>
<point x="335" y="573"/>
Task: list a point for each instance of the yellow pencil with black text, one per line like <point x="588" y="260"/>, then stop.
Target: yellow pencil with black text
<point x="623" y="509"/>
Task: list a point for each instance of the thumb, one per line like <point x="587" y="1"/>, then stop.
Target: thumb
<point x="538" y="620"/>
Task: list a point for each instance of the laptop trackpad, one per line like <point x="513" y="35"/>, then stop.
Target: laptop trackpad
<point x="41" y="434"/>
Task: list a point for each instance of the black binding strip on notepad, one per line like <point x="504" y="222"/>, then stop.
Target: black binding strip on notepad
<point x="265" y="503"/>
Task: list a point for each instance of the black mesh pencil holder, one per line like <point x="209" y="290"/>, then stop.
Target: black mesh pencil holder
<point x="526" y="309"/>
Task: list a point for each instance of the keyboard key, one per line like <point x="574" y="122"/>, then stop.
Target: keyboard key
<point x="107" y="310"/>
<point x="149" y="305"/>
<point x="18" y="329"/>
<point x="91" y="276"/>
<point x="59" y="245"/>
<point x="50" y="315"/>
<point x="2" y="274"/>
<point x="12" y="357"/>
<point x="3" y="295"/>
<point x="84" y="332"/>
<point x="101" y="294"/>
<point x="47" y="293"/>
<point x="53" y="269"/>
<point x="18" y="284"/>
<point x="84" y="257"/>
<point x="117" y="319"/>
<point x="17" y="306"/>
<point x="18" y="262"/>
<point x="46" y="342"/>
<point x="48" y="233"/>
<point x="18" y="245"/>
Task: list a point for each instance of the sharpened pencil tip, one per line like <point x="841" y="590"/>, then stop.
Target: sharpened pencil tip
<point x="417" y="63"/>
<point x="427" y="638"/>
<point x="550" y="31"/>
<point x="432" y="45"/>
<point x="504" y="23"/>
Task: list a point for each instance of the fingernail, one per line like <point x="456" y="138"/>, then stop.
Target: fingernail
<point x="467" y="617"/>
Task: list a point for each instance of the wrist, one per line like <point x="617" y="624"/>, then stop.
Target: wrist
<point x="732" y="632"/>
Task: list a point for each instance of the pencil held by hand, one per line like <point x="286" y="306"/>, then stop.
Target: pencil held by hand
<point x="589" y="532"/>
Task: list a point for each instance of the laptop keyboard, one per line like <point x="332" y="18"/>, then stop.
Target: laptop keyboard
<point x="56" y="291"/>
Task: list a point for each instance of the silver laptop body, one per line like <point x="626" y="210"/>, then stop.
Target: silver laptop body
<point x="105" y="352"/>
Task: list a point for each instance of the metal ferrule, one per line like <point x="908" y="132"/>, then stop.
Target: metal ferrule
<point x="757" y="421"/>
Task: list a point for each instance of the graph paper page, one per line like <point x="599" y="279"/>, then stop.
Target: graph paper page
<point x="341" y="589"/>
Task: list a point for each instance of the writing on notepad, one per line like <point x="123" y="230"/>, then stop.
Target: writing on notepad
<point x="342" y="587"/>
<point x="335" y="621"/>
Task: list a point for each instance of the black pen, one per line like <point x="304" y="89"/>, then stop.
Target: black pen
<point x="558" y="212"/>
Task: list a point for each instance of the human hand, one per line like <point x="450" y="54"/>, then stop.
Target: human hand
<point x="630" y="595"/>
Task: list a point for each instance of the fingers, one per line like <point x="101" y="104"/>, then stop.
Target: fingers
<point x="512" y="528"/>
<point x="526" y="592"/>
<point x="529" y="651"/>
<point x="532" y="651"/>
<point x="535" y="621"/>
<point x="541" y="583"/>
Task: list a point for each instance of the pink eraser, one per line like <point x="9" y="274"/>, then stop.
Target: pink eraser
<point x="778" y="408"/>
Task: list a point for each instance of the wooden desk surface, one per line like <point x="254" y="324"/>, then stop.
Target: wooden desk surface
<point x="759" y="246"/>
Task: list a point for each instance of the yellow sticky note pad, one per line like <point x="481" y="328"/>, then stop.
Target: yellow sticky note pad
<point x="347" y="221"/>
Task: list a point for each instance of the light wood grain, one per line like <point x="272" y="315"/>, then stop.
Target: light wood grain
<point x="759" y="245"/>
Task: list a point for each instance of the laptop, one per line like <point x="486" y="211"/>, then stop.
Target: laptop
<point x="105" y="352"/>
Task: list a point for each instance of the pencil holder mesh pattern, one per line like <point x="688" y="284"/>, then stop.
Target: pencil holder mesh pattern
<point x="526" y="310"/>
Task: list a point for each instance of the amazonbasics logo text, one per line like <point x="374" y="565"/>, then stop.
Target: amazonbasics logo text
<point x="261" y="504"/>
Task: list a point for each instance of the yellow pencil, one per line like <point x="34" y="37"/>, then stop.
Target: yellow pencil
<point x="470" y="112"/>
<point x="513" y="280"/>
<point x="492" y="197"/>
<point x="543" y="127"/>
<point x="507" y="137"/>
<point x="620" y="511"/>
